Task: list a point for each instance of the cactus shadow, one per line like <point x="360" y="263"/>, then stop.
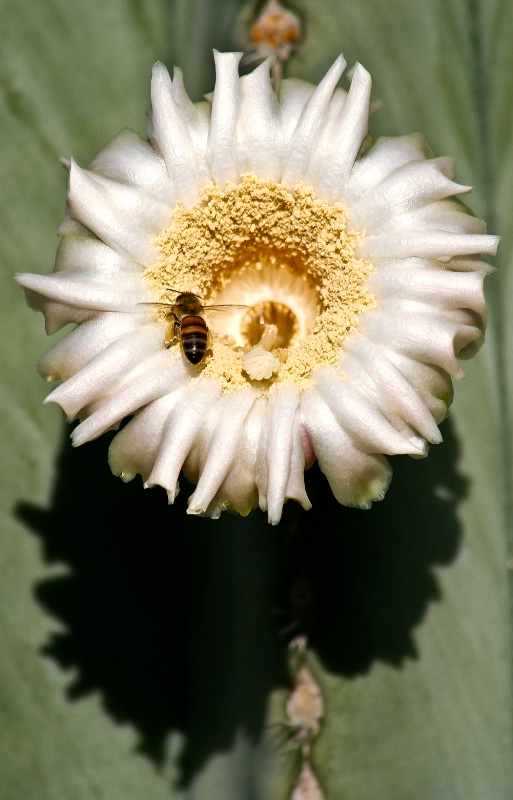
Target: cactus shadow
<point x="360" y="582"/>
<point x="182" y="624"/>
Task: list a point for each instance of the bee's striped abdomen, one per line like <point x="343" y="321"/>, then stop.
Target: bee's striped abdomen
<point x="194" y="337"/>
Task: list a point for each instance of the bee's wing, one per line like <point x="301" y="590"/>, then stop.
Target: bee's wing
<point x="169" y="307"/>
<point x="229" y="307"/>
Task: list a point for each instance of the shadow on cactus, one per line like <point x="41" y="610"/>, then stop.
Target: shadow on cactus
<point x="182" y="623"/>
<point x="359" y="582"/>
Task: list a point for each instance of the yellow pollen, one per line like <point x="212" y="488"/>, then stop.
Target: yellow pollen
<point x="259" y="227"/>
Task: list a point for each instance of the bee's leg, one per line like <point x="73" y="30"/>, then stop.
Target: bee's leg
<point x="210" y="339"/>
<point x="172" y="332"/>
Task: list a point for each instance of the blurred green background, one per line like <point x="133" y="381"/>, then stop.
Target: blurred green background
<point x="143" y="653"/>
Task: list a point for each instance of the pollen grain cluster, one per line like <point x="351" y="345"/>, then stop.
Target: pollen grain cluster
<point x="260" y="225"/>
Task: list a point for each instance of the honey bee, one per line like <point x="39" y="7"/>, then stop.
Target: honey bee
<point x="187" y="323"/>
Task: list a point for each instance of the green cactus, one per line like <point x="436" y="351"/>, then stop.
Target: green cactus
<point x="147" y="654"/>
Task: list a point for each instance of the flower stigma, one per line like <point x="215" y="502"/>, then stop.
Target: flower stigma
<point x="284" y="254"/>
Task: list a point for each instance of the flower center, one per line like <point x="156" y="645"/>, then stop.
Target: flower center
<point x="270" y="313"/>
<point x="265" y="252"/>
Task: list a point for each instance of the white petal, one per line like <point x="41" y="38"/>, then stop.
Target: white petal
<point x="421" y="336"/>
<point x="198" y="120"/>
<point x="120" y="216"/>
<point x="425" y="244"/>
<point x="351" y="131"/>
<point x="82" y="344"/>
<point x="385" y="156"/>
<point x="294" y="95"/>
<point x="87" y="255"/>
<point x="134" y="449"/>
<point x="441" y="288"/>
<point x="259" y="127"/>
<point x="394" y="391"/>
<point x="131" y="160"/>
<point x="239" y="490"/>
<point x="171" y="132"/>
<point x="356" y="478"/>
<point x="159" y="375"/>
<point x="431" y="382"/>
<point x="306" y="135"/>
<point x="441" y="215"/>
<point x="81" y="292"/>
<point x="232" y="412"/>
<point x="296" y="484"/>
<point x="282" y="407"/>
<point x="409" y="187"/>
<point x="56" y="314"/>
<point x="70" y="226"/>
<point x="321" y="157"/>
<point x="469" y="264"/>
<point x="222" y="135"/>
<point x="105" y="370"/>
<point x="368" y="429"/>
<point x="181" y="432"/>
<point x="261" y="464"/>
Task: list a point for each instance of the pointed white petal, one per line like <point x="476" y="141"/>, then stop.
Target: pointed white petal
<point x="259" y="130"/>
<point x="305" y="137"/>
<point x="181" y="432"/>
<point x="82" y="292"/>
<point x="222" y="136"/>
<point x="131" y="160"/>
<point x="105" y="370"/>
<point x="409" y="187"/>
<point x="386" y="155"/>
<point x="296" y="484"/>
<point x="261" y="465"/>
<point x="356" y="478"/>
<point x="294" y="95"/>
<point x="321" y="157"/>
<point x="441" y="215"/>
<point x="82" y="344"/>
<point x="422" y="336"/>
<point x="394" y="393"/>
<point x="440" y="288"/>
<point x="425" y="244"/>
<point x="469" y="264"/>
<point x="352" y="130"/>
<point x="84" y="253"/>
<point x="232" y="412"/>
<point x="198" y="120"/>
<point x="159" y="375"/>
<point x="171" y="132"/>
<point x="70" y="226"/>
<point x="282" y="409"/>
<point x="364" y="423"/>
<point x="134" y="449"/>
<point x="431" y="382"/>
<point x="120" y="216"/>
<point x="56" y="314"/>
<point x="239" y="489"/>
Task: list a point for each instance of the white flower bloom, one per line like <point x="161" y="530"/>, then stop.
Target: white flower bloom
<point x="363" y="260"/>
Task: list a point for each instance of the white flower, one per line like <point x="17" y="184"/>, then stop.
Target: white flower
<point x="362" y="258"/>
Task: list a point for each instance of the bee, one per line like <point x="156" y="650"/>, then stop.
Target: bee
<point x="187" y="323"/>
